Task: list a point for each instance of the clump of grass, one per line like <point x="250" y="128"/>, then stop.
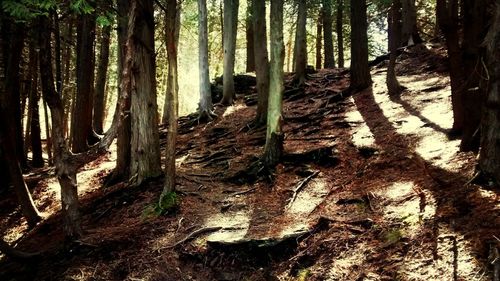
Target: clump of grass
<point x="168" y="202"/>
<point x="304" y="274"/>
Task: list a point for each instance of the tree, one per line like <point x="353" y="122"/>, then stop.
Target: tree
<point x="340" y="31"/>
<point x="328" y="34"/>
<point x="82" y="134"/>
<point x="230" y="31"/>
<point x="273" y="148"/>
<point x="33" y="110"/>
<point x="250" y="37"/>
<point x="319" y="39"/>
<point x="145" y="143"/>
<point x="301" y="39"/>
<point x="100" y="85"/>
<point x="261" y="59"/>
<point x="489" y="156"/>
<point x="393" y="19"/>
<point x="409" y="31"/>
<point x="172" y="99"/>
<point x="360" y="71"/>
<point x="205" y="106"/>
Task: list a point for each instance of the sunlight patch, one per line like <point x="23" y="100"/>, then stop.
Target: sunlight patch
<point x="361" y="134"/>
<point x="234" y="226"/>
<point x="232" y="109"/>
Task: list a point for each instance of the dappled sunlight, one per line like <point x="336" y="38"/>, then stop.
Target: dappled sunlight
<point x="361" y="134"/>
<point x="347" y="265"/>
<point x="232" y="109"/>
<point x="234" y="225"/>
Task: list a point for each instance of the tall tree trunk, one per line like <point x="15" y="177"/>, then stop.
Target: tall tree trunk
<point x="340" y="31"/>
<point x="57" y="53"/>
<point x="250" y="37"/>
<point x="319" y="39"/>
<point x="205" y="106"/>
<point x="34" y="115"/>
<point x="82" y="134"/>
<point x="289" y="63"/>
<point x="230" y="32"/>
<point x="170" y="82"/>
<point x="447" y="16"/>
<point x="8" y="146"/>
<point x="67" y="92"/>
<point x="409" y="32"/>
<point x="489" y="156"/>
<point x="273" y="149"/>
<point x="172" y="99"/>
<point x="328" y="34"/>
<point x="360" y="71"/>
<point x="48" y="133"/>
<point x="145" y="143"/>
<point x="393" y="18"/>
<point x="301" y="39"/>
<point x="100" y="85"/>
<point x="261" y="59"/>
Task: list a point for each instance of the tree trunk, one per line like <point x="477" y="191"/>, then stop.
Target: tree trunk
<point x="57" y="53"/>
<point x="340" y="31"/>
<point x="48" y="134"/>
<point x="230" y="32"/>
<point x="394" y="16"/>
<point x="328" y="34"/>
<point x="261" y="59"/>
<point x="100" y="85"/>
<point x="205" y="106"/>
<point x="250" y="37"/>
<point x="172" y="99"/>
<point x="301" y="39"/>
<point x="489" y="156"/>
<point x="360" y="71"/>
<point x="409" y="32"/>
<point x="82" y="134"/>
<point x="447" y="16"/>
<point x="319" y="39"/>
<point x="67" y="92"/>
<point x="145" y="143"/>
<point x="273" y="149"/>
<point x="34" y="115"/>
<point x="289" y="63"/>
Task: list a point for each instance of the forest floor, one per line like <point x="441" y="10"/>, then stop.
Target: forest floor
<point x="371" y="188"/>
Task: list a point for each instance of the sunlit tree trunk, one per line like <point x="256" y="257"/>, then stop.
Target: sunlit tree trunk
<point x="261" y="59"/>
<point x="100" y="85"/>
<point x="394" y="16"/>
<point x="273" y="149"/>
<point x="319" y="39"/>
<point x="230" y="31"/>
<point x="340" y="31"/>
<point x="360" y="71"/>
<point x="301" y="39"/>
<point x="205" y="106"/>
<point x="250" y="37"/>
<point x="328" y="34"/>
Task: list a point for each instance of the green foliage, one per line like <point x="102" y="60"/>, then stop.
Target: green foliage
<point x="168" y="202"/>
<point x="26" y="10"/>
<point x="105" y="20"/>
<point x="304" y="274"/>
<point x="81" y="6"/>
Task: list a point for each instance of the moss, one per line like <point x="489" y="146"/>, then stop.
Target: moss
<point x="304" y="274"/>
<point x="168" y="202"/>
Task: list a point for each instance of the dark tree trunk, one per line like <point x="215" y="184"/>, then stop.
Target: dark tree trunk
<point x="409" y="32"/>
<point x="100" y="85"/>
<point x="34" y="115"/>
<point x="360" y="71"/>
<point x="301" y="39"/>
<point x="82" y="134"/>
<point x="319" y="39"/>
<point x="57" y="53"/>
<point x="393" y="19"/>
<point x="273" y="149"/>
<point x="489" y="156"/>
<point x="328" y="34"/>
<point x="250" y="37"/>
<point x="230" y="31"/>
<point x="67" y="92"/>
<point x="340" y="31"/>
<point x="261" y="59"/>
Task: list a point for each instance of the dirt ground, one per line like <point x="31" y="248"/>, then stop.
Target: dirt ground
<point x="371" y="188"/>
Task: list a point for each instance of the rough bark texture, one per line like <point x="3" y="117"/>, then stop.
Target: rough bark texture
<point x="340" y="31"/>
<point x="172" y="99"/>
<point x="319" y="39"/>
<point x="145" y="143"/>
<point x="394" y="16"/>
<point x="273" y="149"/>
<point x="360" y="72"/>
<point x="489" y="156"/>
<point x="301" y="39"/>
<point x="328" y="34"/>
<point x="67" y="91"/>
<point x="261" y="59"/>
<point x="82" y="134"/>
<point x="230" y="31"/>
<point x="57" y="53"/>
<point x="409" y="32"/>
<point x="100" y="85"/>
<point x="250" y="37"/>
<point x="205" y="106"/>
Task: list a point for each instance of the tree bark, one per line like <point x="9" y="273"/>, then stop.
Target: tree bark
<point x="360" y="71"/>
<point x="273" y="149"/>
<point x="250" y="37"/>
<point x="67" y="92"/>
<point x="33" y="112"/>
<point x="230" y="32"/>
<point x="340" y="31"/>
<point x="319" y="39"/>
<point x="409" y="32"/>
<point x="172" y="99"/>
<point x="328" y="34"/>
<point x="82" y="134"/>
<point x="489" y="156"/>
<point x="205" y="106"/>
<point x="261" y="59"/>
<point x="301" y="39"/>
<point x="145" y="143"/>
<point x="100" y="86"/>
<point x="394" y="16"/>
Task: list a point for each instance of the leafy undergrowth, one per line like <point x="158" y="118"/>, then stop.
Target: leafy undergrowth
<point x="370" y="188"/>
